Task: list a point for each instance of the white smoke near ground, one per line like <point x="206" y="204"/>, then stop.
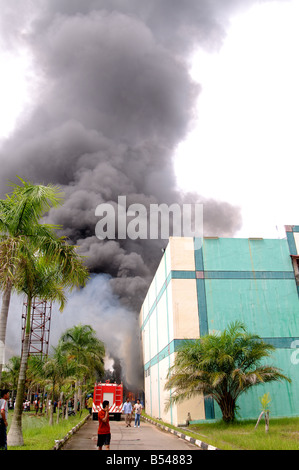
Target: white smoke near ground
<point x="96" y="305"/>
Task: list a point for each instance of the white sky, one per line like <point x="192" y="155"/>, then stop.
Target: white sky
<point x="245" y="147"/>
<point x="15" y="83"/>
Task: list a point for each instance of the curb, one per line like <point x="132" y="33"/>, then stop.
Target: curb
<point x="192" y="440"/>
<point x="59" y="443"/>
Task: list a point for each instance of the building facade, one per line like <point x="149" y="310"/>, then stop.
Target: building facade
<point x="202" y="285"/>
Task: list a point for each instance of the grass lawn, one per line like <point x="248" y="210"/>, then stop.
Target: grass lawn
<point x="283" y="434"/>
<point x="39" y="435"/>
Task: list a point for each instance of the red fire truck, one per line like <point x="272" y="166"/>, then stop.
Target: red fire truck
<point x="108" y="391"/>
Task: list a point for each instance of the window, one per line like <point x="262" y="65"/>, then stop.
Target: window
<point x="295" y="259"/>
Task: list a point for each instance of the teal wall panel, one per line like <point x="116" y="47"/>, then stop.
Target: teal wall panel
<point x="241" y="254"/>
<point x="202" y="307"/>
<point x="268" y="307"/>
<point x="284" y="396"/>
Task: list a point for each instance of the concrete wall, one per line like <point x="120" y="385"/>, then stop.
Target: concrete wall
<point x="169" y="314"/>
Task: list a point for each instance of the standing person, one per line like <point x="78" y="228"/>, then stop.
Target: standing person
<point x="138" y="409"/>
<point x="127" y="410"/>
<point x="40" y="404"/>
<point x="89" y="404"/>
<point x="104" y="435"/>
<point x="3" y="419"/>
<point x="36" y="405"/>
<point x="69" y="405"/>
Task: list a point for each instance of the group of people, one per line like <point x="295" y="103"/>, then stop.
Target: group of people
<point x="11" y="404"/>
<point x="128" y="410"/>
<point x="104" y="435"/>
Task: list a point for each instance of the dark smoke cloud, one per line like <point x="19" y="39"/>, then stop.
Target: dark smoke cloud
<point x="113" y="100"/>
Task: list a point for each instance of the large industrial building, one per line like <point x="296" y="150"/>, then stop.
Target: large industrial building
<point x="202" y="285"/>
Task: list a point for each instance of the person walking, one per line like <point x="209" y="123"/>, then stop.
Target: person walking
<point x="138" y="409"/>
<point x="104" y="435"/>
<point x="4" y="396"/>
<point x="36" y="405"/>
<point x="127" y="410"/>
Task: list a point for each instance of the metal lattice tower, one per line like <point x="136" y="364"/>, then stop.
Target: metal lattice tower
<point x="40" y="326"/>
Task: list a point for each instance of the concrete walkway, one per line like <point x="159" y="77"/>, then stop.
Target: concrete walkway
<point x="147" y="437"/>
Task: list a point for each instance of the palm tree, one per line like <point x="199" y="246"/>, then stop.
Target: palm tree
<point x="13" y="370"/>
<point x="82" y="345"/>
<point x="55" y="370"/>
<point x="34" y="378"/>
<point x="37" y="277"/>
<point x="221" y="367"/>
<point x="265" y="402"/>
<point x="20" y="213"/>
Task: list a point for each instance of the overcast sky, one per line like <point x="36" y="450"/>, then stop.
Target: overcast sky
<point x="245" y="145"/>
<point x="161" y="101"/>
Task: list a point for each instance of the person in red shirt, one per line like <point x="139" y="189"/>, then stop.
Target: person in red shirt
<point x="104" y="435"/>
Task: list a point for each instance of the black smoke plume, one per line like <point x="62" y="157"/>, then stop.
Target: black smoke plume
<point x="112" y="99"/>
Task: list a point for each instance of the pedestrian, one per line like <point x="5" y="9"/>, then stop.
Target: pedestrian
<point x="138" y="409"/>
<point x="127" y="410"/>
<point x="36" y="405"/>
<point x="4" y="396"/>
<point x="89" y="404"/>
<point x="69" y="405"/>
<point x="104" y="435"/>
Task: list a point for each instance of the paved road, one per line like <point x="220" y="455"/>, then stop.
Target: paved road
<point x="147" y="437"/>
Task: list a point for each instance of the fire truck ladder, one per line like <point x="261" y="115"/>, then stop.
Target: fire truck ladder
<point x="40" y="326"/>
<point x="119" y="396"/>
<point x="98" y="397"/>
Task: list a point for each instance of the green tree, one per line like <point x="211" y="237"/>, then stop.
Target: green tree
<point x="221" y="367"/>
<point x="87" y="351"/>
<point x="265" y="402"/>
<point x="55" y="370"/>
<point x="13" y="370"/>
<point x="37" y="277"/>
<point x="20" y="213"/>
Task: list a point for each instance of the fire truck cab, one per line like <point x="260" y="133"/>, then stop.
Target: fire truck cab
<point x="108" y="391"/>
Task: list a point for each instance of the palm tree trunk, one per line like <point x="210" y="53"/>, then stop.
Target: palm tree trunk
<point x="51" y="420"/>
<point x="80" y="396"/>
<point x="267" y="421"/>
<point x="76" y="397"/>
<point x="66" y="415"/>
<point x="60" y="401"/>
<point x="259" y="418"/>
<point x="228" y="406"/>
<point x="15" y="435"/>
<point x="3" y="323"/>
<point x="83" y="399"/>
